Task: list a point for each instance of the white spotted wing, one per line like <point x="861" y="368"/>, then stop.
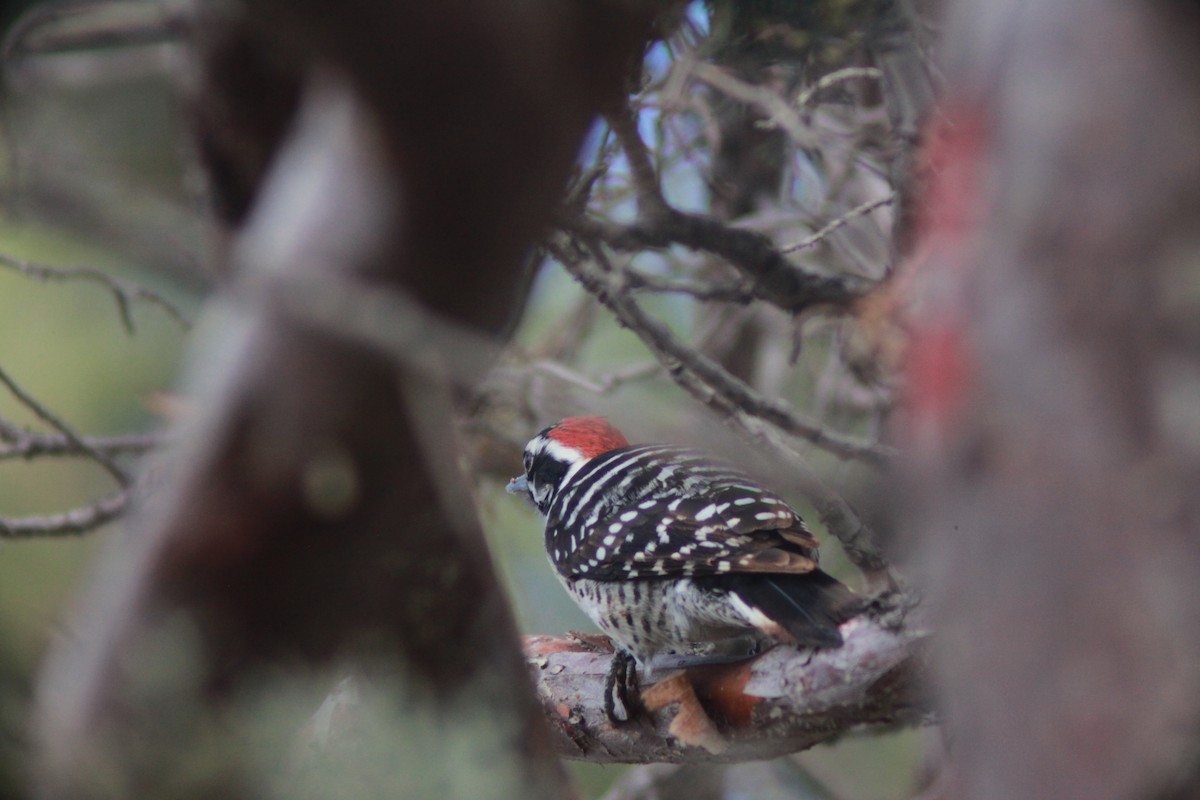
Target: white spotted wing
<point x="737" y="529"/>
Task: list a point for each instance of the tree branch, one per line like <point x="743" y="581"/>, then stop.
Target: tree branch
<point x="69" y="523"/>
<point x="853" y="214"/>
<point x="28" y="445"/>
<point x="66" y="430"/>
<point x="624" y="122"/>
<point x="734" y="292"/>
<point x="125" y="293"/>
<point x="781" y="702"/>
<point x="777" y="110"/>
<point x="774" y="278"/>
<point x="810" y="93"/>
<point x="718" y="385"/>
<point x="602" y="384"/>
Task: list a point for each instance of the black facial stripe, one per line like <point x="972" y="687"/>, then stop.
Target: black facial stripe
<point x="544" y="475"/>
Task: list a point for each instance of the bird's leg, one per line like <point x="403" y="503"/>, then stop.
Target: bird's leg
<point x="622" y="695"/>
<point x="721" y="651"/>
<point x="688" y="660"/>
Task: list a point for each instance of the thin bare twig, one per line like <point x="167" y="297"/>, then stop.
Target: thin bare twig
<point x="624" y="124"/>
<point x="734" y="292"/>
<point x="849" y="216"/>
<point x="29" y="445"/>
<point x="603" y="384"/>
<point x="10" y="432"/>
<point x="832" y="79"/>
<point x="124" y="293"/>
<point x="66" y="430"/>
<point x="69" y="523"/>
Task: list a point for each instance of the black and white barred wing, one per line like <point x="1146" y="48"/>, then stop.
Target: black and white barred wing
<point x="731" y="533"/>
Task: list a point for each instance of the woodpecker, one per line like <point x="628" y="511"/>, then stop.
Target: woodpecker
<point x="678" y="558"/>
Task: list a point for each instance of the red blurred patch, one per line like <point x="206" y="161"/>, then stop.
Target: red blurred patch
<point x="938" y="363"/>
<point x="951" y="164"/>
<point x="939" y="372"/>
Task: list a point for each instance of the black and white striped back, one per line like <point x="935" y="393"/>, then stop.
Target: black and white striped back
<point x="658" y="510"/>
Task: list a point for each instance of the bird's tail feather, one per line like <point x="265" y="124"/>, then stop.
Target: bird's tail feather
<point x="810" y="607"/>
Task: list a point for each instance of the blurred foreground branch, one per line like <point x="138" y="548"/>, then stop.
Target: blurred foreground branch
<point x="1051" y="488"/>
<point x="316" y="515"/>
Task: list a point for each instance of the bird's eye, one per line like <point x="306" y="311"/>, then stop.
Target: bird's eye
<point x="528" y="461"/>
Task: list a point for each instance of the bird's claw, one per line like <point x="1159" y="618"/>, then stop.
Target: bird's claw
<point x="622" y="694"/>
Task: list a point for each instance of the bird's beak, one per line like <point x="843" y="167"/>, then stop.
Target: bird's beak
<point x="518" y="485"/>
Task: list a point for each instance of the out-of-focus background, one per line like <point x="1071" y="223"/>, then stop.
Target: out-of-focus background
<point x="94" y="178"/>
<point x="101" y="178"/>
<point x="927" y="268"/>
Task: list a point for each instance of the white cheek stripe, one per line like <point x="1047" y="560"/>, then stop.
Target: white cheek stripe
<point x="560" y="452"/>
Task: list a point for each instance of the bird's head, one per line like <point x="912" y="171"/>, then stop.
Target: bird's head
<point x="556" y="454"/>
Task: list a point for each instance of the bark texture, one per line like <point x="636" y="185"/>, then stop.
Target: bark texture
<point x="1055" y="344"/>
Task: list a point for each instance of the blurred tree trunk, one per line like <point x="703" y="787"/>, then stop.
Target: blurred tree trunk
<point x="1055" y="398"/>
<point x="315" y="516"/>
